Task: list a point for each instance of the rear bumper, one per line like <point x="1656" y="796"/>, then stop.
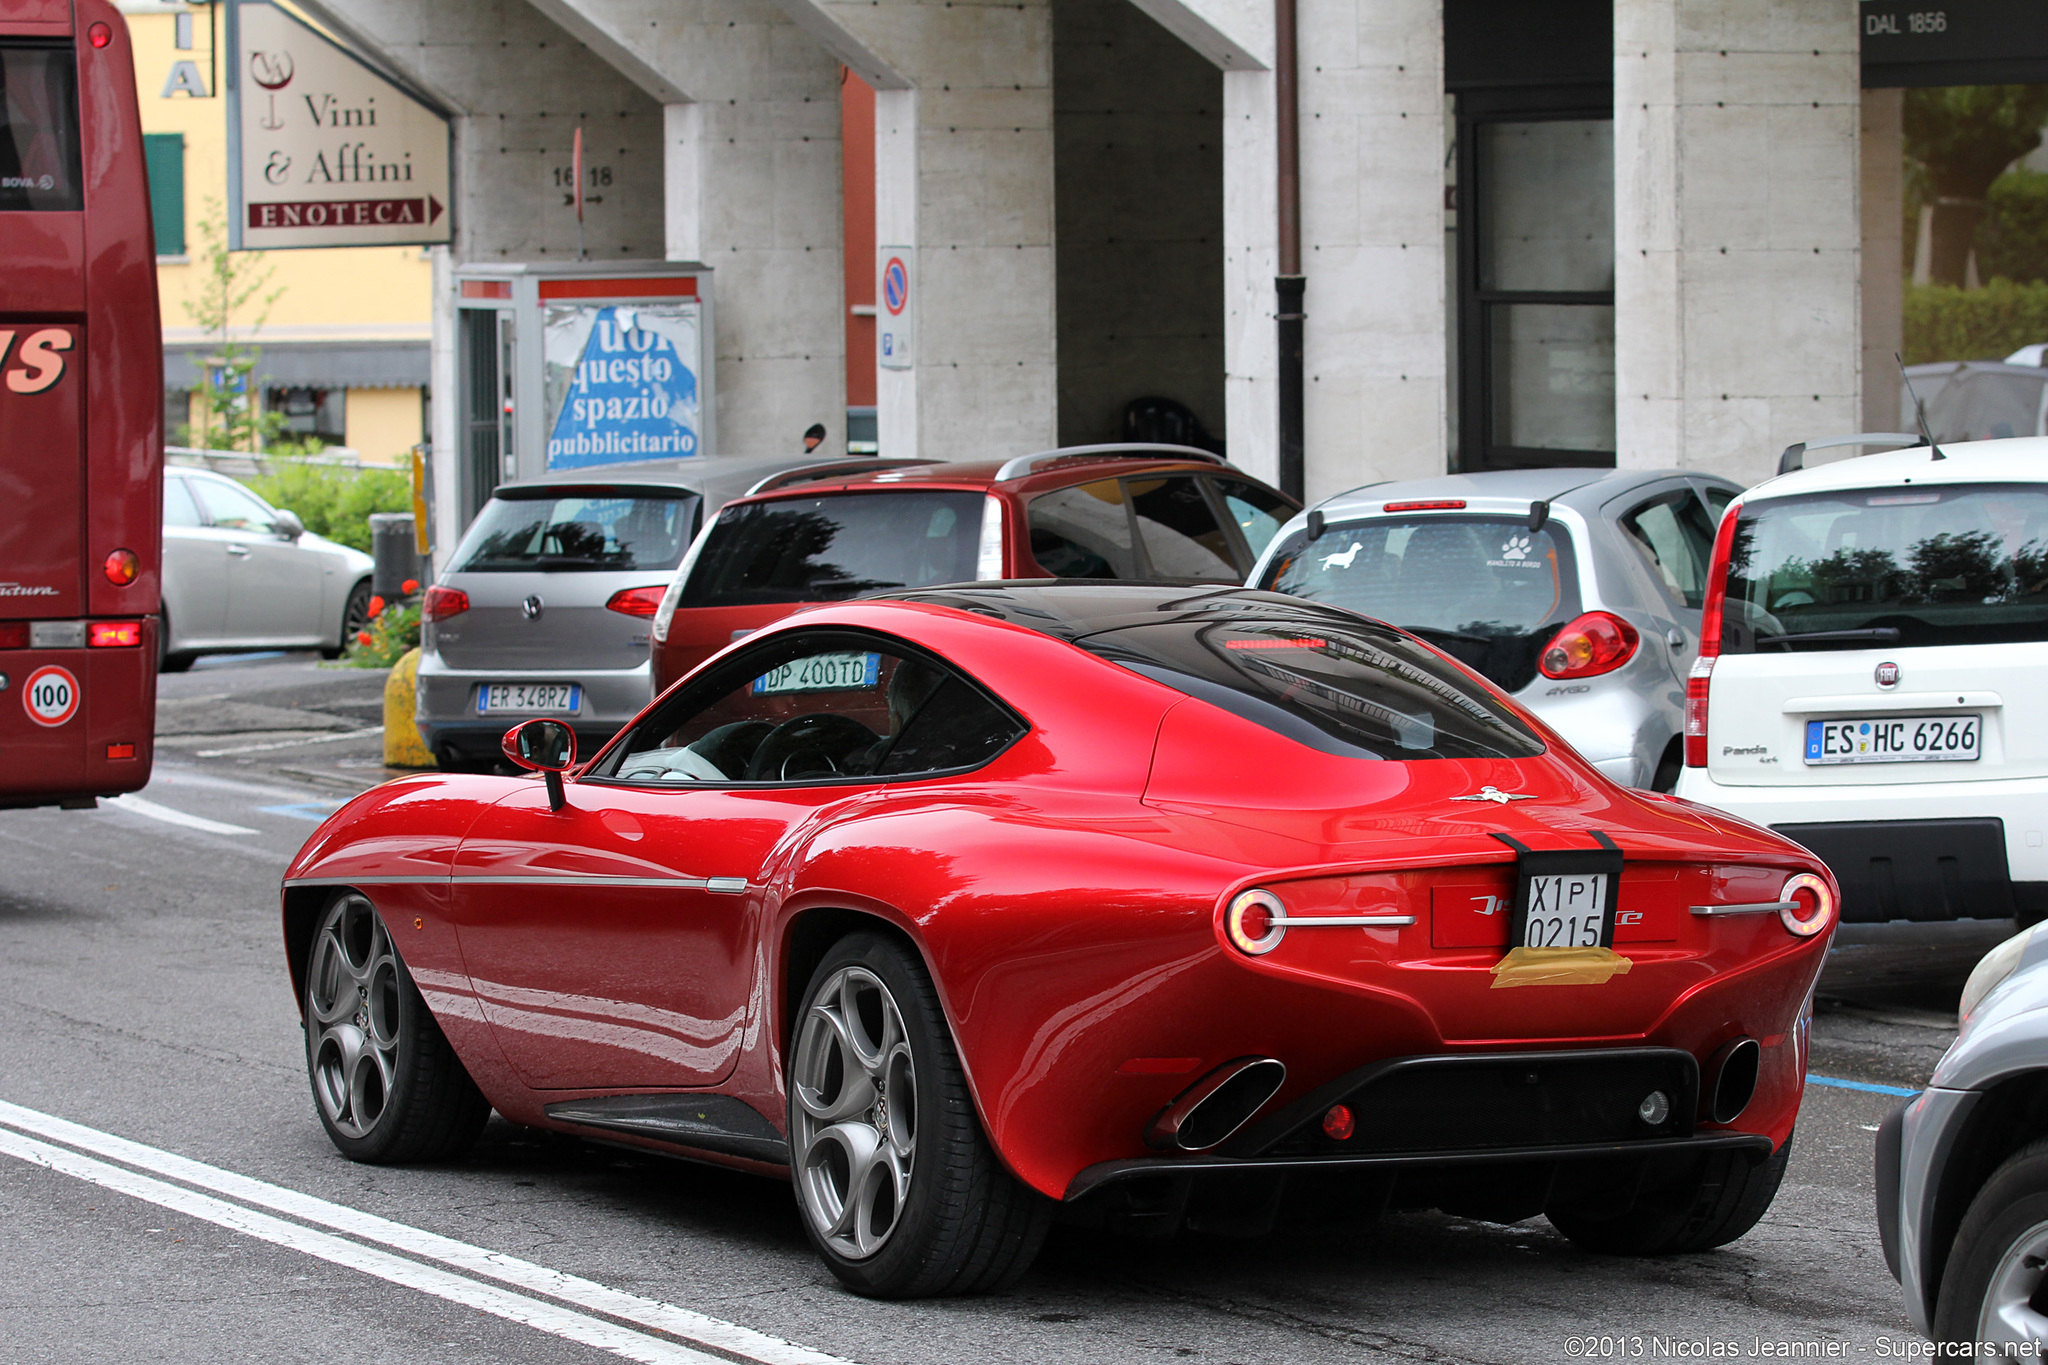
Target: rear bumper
<point x="446" y="702"/>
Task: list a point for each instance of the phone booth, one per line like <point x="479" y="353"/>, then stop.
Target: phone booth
<point x="577" y="365"/>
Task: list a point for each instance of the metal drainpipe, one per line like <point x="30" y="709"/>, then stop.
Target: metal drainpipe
<point x="1290" y="286"/>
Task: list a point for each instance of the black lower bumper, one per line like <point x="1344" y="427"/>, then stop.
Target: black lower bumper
<point x="1924" y="871"/>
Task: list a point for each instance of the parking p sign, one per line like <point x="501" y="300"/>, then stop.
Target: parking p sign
<point x="894" y="326"/>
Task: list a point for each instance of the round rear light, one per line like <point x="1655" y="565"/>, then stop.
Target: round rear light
<point x="1255" y="922"/>
<point x="122" y="567"/>
<point x="1338" y="1122"/>
<point x="1595" y="643"/>
<point x="1811" y="905"/>
<point x="99" y="35"/>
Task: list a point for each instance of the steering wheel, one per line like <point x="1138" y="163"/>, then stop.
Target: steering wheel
<point x="809" y="746"/>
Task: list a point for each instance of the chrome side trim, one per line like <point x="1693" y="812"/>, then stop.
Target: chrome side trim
<point x="1344" y="921"/>
<point x="1748" y="908"/>
<point x="726" y="886"/>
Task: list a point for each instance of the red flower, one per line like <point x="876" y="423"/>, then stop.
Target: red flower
<point x="362" y="637"/>
<point x="410" y="586"/>
<point x="376" y="606"/>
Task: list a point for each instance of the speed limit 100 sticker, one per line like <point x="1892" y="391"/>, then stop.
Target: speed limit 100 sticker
<point x="51" y="695"/>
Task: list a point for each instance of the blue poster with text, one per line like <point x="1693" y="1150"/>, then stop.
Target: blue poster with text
<point x="630" y="392"/>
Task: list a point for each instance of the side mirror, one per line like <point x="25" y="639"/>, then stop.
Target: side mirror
<point x="543" y="746"/>
<point x="288" y="525"/>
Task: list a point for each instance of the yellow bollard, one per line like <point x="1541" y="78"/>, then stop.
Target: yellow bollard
<point x="403" y="747"/>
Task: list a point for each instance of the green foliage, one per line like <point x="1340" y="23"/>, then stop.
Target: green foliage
<point x="394" y="631"/>
<point x="333" y="501"/>
<point x="230" y="415"/>
<point x="1964" y="135"/>
<point x="2012" y="236"/>
<point x="1946" y="323"/>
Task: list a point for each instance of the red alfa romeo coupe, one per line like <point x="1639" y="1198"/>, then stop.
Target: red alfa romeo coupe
<point x="1143" y="906"/>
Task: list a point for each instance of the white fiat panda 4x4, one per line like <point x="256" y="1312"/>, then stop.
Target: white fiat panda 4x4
<point x="1873" y="682"/>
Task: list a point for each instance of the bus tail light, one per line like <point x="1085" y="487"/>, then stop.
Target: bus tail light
<point x="443" y="603"/>
<point x="1597" y="642"/>
<point x="99" y="35"/>
<point x="13" y="635"/>
<point x="113" y="634"/>
<point x="122" y="568"/>
<point x="120" y="751"/>
<point x="637" y="601"/>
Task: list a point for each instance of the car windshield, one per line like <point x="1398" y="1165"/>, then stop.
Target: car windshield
<point x="1987" y="405"/>
<point x="829" y="548"/>
<point x="1331" y="682"/>
<point x="1486" y="590"/>
<point x="1880" y="568"/>
<point x="594" y="528"/>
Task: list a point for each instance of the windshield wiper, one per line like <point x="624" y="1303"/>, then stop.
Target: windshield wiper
<point x="1877" y="635"/>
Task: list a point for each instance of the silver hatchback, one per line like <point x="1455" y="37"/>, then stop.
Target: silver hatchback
<point x="545" y="605"/>
<point x="1576" y="590"/>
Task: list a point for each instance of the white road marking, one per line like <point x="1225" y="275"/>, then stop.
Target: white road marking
<point x="137" y="805"/>
<point x="289" y="743"/>
<point x="682" y="1322"/>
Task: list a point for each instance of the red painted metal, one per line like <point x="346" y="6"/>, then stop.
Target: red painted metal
<point x="81" y="431"/>
<point x="1068" y="901"/>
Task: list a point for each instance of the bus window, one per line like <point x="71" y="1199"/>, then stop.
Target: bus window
<point x="39" y="129"/>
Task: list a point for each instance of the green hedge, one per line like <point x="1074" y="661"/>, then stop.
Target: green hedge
<point x="1946" y="323"/>
<point x="334" y="501"/>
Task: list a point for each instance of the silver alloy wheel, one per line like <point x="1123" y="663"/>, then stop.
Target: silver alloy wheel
<point x="855" y="1084"/>
<point x="352" y="994"/>
<point x="2009" y="1314"/>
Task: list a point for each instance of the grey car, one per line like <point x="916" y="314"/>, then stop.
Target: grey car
<point x="1576" y="590"/>
<point x="544" y="607"/>
<point x="240" y="574"/>
<point x="1962" y="1168"/>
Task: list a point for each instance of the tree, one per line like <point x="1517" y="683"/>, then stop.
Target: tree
<point x="1963" y="137"/>
<point x="229" y="416"/>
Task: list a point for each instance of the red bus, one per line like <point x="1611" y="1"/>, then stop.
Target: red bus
<point x="81" y="410"/>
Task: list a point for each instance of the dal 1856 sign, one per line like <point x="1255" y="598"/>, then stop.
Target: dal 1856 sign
<point x="327" y="152"/>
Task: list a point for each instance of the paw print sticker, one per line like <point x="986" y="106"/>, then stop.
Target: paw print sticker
<point x="1517" y="547"/>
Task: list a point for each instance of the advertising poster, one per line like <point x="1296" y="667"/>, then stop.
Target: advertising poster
<point x="621" y="382"/>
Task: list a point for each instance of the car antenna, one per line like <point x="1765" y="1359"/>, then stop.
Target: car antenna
<point x="1315" y="524"/>
<point x="1539" y="512"/>
<point x="1919" y="408"/>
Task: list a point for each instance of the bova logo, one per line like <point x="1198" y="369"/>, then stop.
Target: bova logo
<point x="40" y="362"/>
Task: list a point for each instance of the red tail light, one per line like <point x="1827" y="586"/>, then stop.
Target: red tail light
<point x="1598" y="642"/>
<point x="637" y="601"/>
<point x="120" y="751"/>
<point x="443" y="603"/>
<point x="113" y="634"/>
<point x="99" y="35"/>
<point x="13" y="635"/>
<point x="122" y="567"/>
<point x="1696" y="683"/>
<point x="1812" y="904"/>
<point x="1426" y="505"/>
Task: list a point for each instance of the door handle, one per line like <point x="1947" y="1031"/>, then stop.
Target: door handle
<point x="239" y="551"/>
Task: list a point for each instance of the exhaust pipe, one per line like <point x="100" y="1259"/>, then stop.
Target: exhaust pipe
<point x="1731" y="1079"/>
<point x="1216" y="1106"/>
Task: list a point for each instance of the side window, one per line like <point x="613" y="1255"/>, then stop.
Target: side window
<point x="1259" y="513"/>
<point x="1084" y="532"/>
<point x="1181" y="535"/>
<point x="1718" y="499"/>
<point x="1676" y="536"/>
<point x="231" y="506"/>
<point x="816" y="708"/>
<point x="179" y="509"/>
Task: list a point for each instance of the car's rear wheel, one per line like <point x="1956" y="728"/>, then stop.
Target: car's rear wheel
<point x="1701" y="1204"/>
<point x="386" y="1083"/>
<point x="355" y="618"/>
<point x="1995" y="1288"/>
<point x="899" y="1189"/>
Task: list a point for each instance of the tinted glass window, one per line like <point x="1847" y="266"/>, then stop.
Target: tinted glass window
<point x="1179" y="530"/>
<point x="39" y="130"/>
<point x="1259" y="512"/>
<point x="232" y="506"/>
<point x="179" y="509"/>
<point x="1875" y="569"/>
<point x="1677" y="539"/>
<point x="593" y="529"/>
<point x="1333" y="683"/>
<point x="1487" y="590"/>
<point x="831" y="548"/>
<point x="818" y="708"/>
<point x="1084" y="532"/>
<point x="1986" y="406"/>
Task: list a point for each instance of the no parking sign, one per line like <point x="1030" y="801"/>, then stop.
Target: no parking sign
<point x="894" y="327"/>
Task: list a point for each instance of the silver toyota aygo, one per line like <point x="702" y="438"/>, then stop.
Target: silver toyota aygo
<point x="1577" y="590"/>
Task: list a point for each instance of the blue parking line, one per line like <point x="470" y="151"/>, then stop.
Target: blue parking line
<point x="1839" y="1084"/>
<point x="315" y="811"/>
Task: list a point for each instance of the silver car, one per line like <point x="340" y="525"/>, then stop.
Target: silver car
<point x="241" y="575"/>
<point x="1962" y="1168"/>
<point x="1577" y="590"/>
<point x="545" y="605"/>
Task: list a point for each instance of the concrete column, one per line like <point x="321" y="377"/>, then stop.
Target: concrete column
<point x="1884" y="335"/>
<point x="964" y="176"/>
<point x="1251" y="261"/>
<point x="1736" y="191"/>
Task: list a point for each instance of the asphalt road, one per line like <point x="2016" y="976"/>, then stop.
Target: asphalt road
<point x="143" y="996"/>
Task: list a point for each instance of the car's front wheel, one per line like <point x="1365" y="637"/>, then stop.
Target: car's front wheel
<point x="1701" y="1204"/>
<point x="355" y="618"/>
<point x="1996" y="1285"/>
<point x="386" y="1083"/>
<point x="900" y="1192"/>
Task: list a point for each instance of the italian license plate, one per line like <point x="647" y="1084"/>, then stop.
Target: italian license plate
<point x="492" y="698"/>
<point x="821" y="673"/>
<point x="1565" y="898"/>
<point x="1895" y="739"/>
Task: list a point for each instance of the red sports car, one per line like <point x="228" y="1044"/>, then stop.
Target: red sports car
<point x="1150" y="906"/>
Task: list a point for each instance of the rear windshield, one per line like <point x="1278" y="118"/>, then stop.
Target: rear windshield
<point x="1486" y="590"/>
<point x="1332" y="683"/>
<point x="830" y="548"/>
<point x="589" y="529"/>
<point x="1879" y="568"/>
<point x="39" y="129"/>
